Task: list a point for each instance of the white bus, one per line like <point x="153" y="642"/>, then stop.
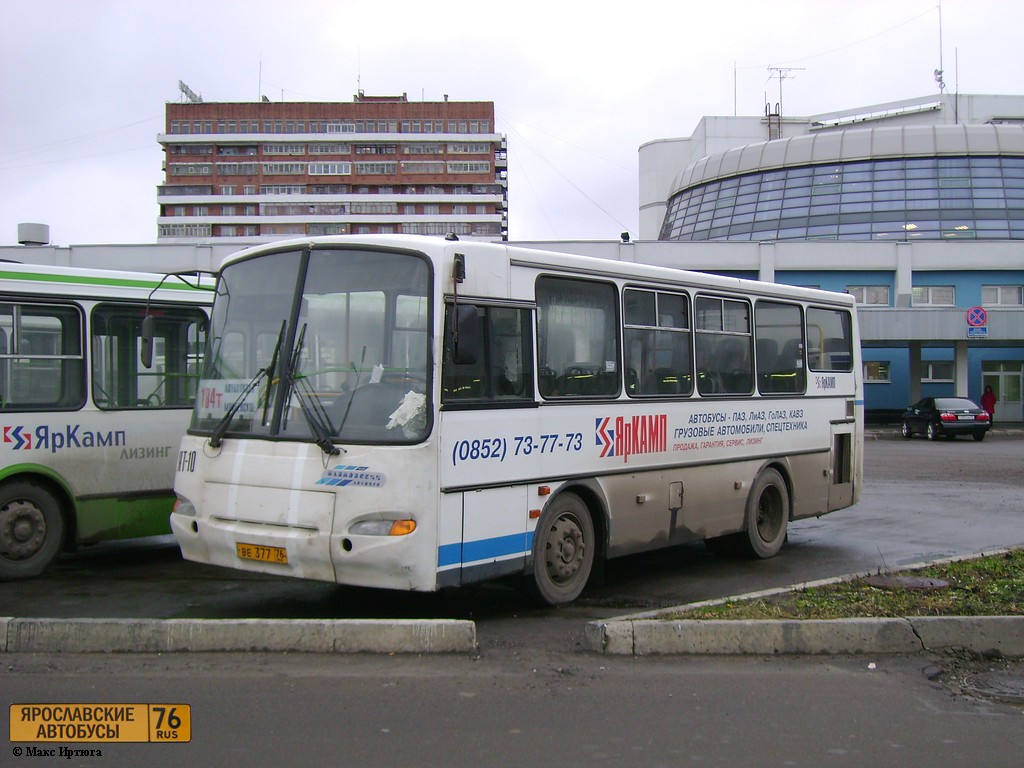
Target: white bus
<point x="417" y="413"/>
<point x="89" y="432"/>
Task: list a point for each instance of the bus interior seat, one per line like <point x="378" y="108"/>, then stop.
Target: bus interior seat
<point x="837" y="355"/>
<point x="791" y="357"/>
<point x="767" y="361"/>
<point x="463" y="386"/>
<point x="734" y="365"/>
<point x="707" y="374"/>
<point x="632" y="381"/>
<point x="547" y="380"/>
<point x="789" y="370"/>
<point x="667" y="382"/>
<point x="767" y="351"/>
<point x="580" y="379"/>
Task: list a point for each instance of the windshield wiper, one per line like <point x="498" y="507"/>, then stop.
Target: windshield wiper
<point x="352" y="396"/>
<point x="312" y="409"/>
<point x="270" y="369"/>
<point x="217" y="435"/>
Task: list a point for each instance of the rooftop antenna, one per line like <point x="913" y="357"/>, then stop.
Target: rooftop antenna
<point x="191" y="95"/>
<point x="938" y="72"/>
<point x="783" y="74"/>
<point x="734" y="86"/>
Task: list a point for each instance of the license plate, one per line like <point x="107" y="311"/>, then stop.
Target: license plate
<point x="261" y="553"/>
<point x="965" y="417"/>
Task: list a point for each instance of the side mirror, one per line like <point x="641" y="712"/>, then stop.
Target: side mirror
<point x="468" y="341"/>
<point x="146" y="345"/>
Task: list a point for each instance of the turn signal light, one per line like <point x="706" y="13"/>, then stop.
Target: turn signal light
<point x="383" y="528"/>
<point x="402" y="527"/>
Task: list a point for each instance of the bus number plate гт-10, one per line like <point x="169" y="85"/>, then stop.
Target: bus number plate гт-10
<point x="261" y="553"/>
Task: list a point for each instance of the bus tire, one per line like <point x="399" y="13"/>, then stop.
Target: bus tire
<point x="767" y="515"/>
<point x="563" y="550"/>
<point x="31" y="530"/>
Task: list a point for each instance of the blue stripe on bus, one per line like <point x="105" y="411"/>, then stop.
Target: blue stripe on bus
<point x="484" y="549"/>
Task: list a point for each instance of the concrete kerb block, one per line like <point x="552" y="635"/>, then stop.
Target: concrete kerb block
<point x="612" y="637"/>
<point x="250" y="635"/>
<point x="843" y="636"/>
<point x="405" y="636"/>
<point x="84" y="636"/>
<point x="979" y="634"/>
<point x="181" y="635"/>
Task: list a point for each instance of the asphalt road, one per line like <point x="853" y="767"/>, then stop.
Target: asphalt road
<point x="566" y="710"/>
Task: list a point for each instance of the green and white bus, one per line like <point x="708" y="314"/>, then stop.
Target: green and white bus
<point x="417" y="413"/>
<point x="90" y="433"/>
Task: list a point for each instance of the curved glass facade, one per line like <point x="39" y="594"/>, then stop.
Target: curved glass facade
<point x="920" y="198"/>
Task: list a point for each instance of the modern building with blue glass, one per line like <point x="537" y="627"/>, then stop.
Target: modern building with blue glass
<point x="914" y="207"/>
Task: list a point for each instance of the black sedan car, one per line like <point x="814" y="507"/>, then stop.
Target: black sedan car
<point x="945" y="417"/>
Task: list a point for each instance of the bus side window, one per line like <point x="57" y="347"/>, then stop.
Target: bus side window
<point x="724" y="346"/>
<point x="502" y="370"/>
<point x="779" y="347"/>
<point x="119" y="380"/>
<point x="462" y="380"/>
<point x="578" y="337"/>
<point x="657" y="336"/>
<point x="831" y="340"/>
<point x="42" y="361"/>
<point x="4" y="365"/>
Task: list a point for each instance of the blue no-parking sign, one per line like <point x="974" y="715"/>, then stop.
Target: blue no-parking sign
<point x="977" y="322"/>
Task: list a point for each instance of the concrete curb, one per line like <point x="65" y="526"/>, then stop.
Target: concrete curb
<point x="648" y="633"/>
<point x="643" y="637"/>
<point x="175" y="635"/>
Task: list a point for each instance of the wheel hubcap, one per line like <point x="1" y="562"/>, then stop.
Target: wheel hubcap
<point x="22" y="530"/>
<point x="565" y="549"/>
<point x="769" y="515"/>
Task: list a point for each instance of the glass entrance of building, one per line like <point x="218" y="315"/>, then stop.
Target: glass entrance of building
<point x="1005" y="378"/>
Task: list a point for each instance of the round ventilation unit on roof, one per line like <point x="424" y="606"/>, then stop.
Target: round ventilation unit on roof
<point x="34" y="234"/>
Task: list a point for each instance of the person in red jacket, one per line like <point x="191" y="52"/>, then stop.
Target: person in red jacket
<point x="988" y="402"/>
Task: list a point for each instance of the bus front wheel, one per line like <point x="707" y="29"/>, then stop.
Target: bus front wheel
<point x="767" y="515"/>
<point x="31" y="530"/>
<point x="563" y="550"/>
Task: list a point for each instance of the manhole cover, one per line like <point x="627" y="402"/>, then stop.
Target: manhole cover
<point x="894" y="583"/>
<point x="1005" y="686"/>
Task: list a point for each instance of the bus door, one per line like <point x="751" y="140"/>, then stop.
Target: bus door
<point x="487" y="396"/>
<point x="840" y="491"/>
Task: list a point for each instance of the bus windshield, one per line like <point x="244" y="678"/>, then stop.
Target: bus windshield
<point x="340" y="353"/>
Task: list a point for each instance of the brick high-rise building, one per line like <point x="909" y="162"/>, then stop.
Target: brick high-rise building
<point x="268" y="170"/>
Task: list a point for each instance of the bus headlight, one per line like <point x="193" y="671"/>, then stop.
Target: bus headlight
<point x="184" y="507"/>
<point x="383" y="528"/>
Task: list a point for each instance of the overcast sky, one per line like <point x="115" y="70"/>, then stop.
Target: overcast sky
<point x="577" y="86"/>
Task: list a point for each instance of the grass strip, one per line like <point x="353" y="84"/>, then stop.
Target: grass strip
<point x="992" y="585"/>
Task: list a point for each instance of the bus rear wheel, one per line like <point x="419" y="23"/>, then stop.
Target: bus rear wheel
<point x="31" y="530"/>
<point x="767" y="515"/>
<point x="563" y="550"/>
